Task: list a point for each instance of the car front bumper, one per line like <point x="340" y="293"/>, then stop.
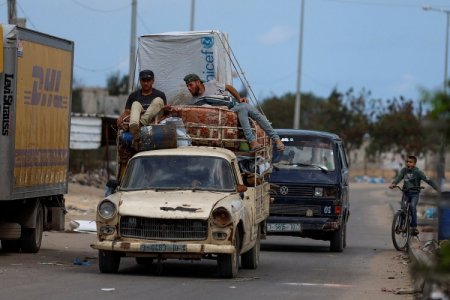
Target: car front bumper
<point x="162" y="247"/>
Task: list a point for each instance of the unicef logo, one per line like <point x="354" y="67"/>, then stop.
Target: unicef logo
<point x="207" y="42"/>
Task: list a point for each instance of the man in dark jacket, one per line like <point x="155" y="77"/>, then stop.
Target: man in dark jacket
<point x="412" y="176"/>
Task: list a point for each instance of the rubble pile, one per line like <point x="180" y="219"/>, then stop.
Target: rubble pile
<point x="96" y="178"/>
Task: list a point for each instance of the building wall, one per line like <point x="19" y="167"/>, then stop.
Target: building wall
<point x="387" y="164"/>
<point x="97" y="101"/>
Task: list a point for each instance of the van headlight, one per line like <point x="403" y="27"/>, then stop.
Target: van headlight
<point x="325" y="192"/>
<point x="107" y="209"/>
<point x="318" y="192"/>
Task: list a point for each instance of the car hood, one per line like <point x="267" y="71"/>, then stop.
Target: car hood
<point x="302" y="176"/>
<point x="170" y="204"/>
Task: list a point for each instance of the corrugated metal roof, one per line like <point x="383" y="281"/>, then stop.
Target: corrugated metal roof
<point x="85" y="132"/>
<point x="90" y="131"/>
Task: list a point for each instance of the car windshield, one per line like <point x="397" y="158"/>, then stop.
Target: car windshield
<point x="315" y="153"/>
<point x="179" y="173"/>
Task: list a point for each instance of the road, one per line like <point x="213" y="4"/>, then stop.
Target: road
<point x="290" y="268"/>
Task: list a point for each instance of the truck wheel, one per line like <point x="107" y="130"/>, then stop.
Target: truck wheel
<point x="108" y="261"/>
<point x="228" y="264"/>
<point x="250" y="259"/>
<point x="10" y="246"/>
<point x="31" y="239"/>
<point x="337" y="240"/>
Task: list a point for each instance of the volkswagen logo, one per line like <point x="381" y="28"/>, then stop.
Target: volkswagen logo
<point x="284" y="190"/>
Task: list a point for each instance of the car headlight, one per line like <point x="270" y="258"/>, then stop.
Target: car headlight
<point x="221" y="217"/>
<point x="107" y="209"/>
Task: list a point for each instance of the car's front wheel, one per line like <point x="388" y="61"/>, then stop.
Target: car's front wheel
<point x="228" y="264"/>
<point x="250" y="259"/>
<point x="108" y="261"/>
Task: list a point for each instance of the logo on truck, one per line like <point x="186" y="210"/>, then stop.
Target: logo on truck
<point x="46" y="89"/>
<point x="209" y="70"/>
<point x="8" y="99"/>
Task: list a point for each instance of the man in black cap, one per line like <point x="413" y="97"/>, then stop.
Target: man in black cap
<point x="144" y="104"/>
<point x="216" y="94"/>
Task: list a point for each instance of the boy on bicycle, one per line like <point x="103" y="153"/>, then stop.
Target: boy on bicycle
<point x="412" y="176"/>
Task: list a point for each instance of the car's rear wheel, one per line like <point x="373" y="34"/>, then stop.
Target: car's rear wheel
<point x="144" y="260"/>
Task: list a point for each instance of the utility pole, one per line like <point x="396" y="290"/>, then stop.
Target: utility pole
<point x="12" y="15"/>
<point x="132" y="45"/>
<point x="299" y="70"/>
<point x="192" y="14"/>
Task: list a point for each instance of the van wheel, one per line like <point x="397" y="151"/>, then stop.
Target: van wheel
<point x="250" y="259"/>
<point x="31" y="239"/>
<point x="337" y="240"/>
<point x="228" y="264"/>
<point x="345" y="235"/>
<point x="108" y="261"/>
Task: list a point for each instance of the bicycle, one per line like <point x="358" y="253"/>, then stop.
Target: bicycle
<point x="401" y="223"/>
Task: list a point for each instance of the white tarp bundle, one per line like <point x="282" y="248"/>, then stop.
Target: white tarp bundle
<point x="173" y="55"/>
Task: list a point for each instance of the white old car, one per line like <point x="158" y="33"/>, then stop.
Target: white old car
<point x="183" y="203"/>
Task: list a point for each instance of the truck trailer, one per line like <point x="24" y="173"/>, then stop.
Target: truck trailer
<point x="36" y="92"/>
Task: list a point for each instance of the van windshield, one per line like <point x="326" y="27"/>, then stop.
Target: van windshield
<point x="179" y="173"/>
<point x="301" y="152"/>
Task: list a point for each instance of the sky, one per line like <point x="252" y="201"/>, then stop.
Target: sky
<point x="391" y="48"/>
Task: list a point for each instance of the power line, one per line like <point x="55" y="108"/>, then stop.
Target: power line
<point x="96" y="70"/>
<point x="143" y="23"/>
<point x="25" y="15"/>
<point x="362" y="2"/>
<point x="100" y="10"/>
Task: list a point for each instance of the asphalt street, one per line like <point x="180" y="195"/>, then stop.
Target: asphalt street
<point x="290" y="268"/>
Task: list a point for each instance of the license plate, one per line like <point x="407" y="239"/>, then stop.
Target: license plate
<point x="283" y="227"/>
<point x="163" y="248"/>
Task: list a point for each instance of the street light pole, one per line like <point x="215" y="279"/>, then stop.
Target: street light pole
<point x="192" y="15"/>
<point x="447" y="12"/>
<point x="132" y="45"/>
<point x="299" y="71"/>
<point x="446" y="53"/>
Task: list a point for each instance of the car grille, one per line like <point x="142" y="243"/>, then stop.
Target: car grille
<point x="288" y="191"/>
<point x="278" y="209"/>
<point x="163" y="229"/>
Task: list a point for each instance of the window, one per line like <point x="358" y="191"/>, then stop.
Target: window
<point x="179" y="172"/>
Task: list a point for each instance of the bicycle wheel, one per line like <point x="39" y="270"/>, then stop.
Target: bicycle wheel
<point x="400" y="231"/>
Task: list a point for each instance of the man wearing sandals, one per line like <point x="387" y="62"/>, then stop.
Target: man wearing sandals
<point x="412" y="176"/>
<point x="215" y="93"/>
